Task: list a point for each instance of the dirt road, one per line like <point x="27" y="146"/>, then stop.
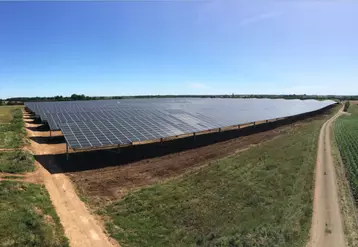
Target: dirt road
<point x="80" y="226"/>
<point x="327" y="227"/>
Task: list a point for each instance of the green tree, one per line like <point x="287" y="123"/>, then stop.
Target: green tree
<point x="346" y="105"/>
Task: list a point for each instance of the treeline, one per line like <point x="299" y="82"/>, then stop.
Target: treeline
<point x="298" y="96"/>
<point x="61" y="98"/>
<point x="259" y="96"/>
<point x="346" y="106"/>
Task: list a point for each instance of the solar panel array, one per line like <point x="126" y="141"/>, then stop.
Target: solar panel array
<point x="87" y="124"/>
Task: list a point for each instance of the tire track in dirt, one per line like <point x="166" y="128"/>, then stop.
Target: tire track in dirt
<point x="80" y="226"/>
<point x="327" y="227"/>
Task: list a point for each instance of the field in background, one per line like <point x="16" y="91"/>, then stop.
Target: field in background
<point x="6" y="113"/>
<point x="260" y="197"/>
<point x="347" y="204"/>
<point x="12" y="134"/>
<point x="346" y="132"/>
<point x="12" y="130"/>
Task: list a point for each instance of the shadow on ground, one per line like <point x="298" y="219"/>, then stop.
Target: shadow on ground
<point x="40" y="128"/>
<point x="48" y="139"/>
<point x="32" y="120"/>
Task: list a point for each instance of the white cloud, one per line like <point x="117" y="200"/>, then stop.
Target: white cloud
<point x="259" y="18"/>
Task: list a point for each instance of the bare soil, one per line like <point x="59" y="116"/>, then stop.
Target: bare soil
<point x="327" y="227"/>
<point x="8" y="149"/>
<point x="30" y="177"/>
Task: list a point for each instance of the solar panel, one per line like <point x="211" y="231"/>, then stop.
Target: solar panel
<point x="104" y="132"/>
<point x="99" y="123"/>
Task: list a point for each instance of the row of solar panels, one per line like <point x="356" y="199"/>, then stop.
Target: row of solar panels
<point x="54" y="119"/>
<point x="97" y="133"/>
<point x="43" y="108"/>
<point x="87" y="124"/>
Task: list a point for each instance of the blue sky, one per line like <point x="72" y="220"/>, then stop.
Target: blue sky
<point x="178" y="47"/>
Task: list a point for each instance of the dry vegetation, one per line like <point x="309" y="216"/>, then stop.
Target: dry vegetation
<point x="12" y="130"/>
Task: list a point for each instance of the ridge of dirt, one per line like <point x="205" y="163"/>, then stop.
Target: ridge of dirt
<point x="3" y="174"/>
<point x="80" y="226"/>
<point x="29" y="177"/>
<point x="327" y="226"/>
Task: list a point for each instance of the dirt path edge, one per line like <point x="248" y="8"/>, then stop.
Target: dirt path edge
<point x="327" y="226"/>
<point x="80" y="227"/>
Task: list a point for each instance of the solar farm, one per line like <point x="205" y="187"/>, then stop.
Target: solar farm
<point x="106" y="123"/>
<point x="148" y="167"/>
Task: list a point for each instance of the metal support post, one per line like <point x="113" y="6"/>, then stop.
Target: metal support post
<point x="119" y="148"/>
<point x="194" y="136"/>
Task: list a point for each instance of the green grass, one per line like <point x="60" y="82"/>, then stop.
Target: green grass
<point x="12" y="129"/>
<point x="347" y="205"/>
<point x="6" y="113"/>
<point x="261" y="197"/>
<point x="27" y="217"/>
<point x="346" y="133"/>
<point x="16" y="161"/>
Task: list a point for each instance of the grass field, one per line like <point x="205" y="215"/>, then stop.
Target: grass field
<point x="16" y="162"/>
<point x="6" y="113"/>
<point x="27" y="217"/>
<point x="12" y="133"/>
<point x="262" y="197"/>
<point x="12" y="130"/>
<point x="346" y="132"/>
<point x="347" y="205"/>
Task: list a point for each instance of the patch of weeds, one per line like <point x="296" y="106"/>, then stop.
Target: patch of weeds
<point x="27" y="217"/>
<point x="16" y="162"/>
